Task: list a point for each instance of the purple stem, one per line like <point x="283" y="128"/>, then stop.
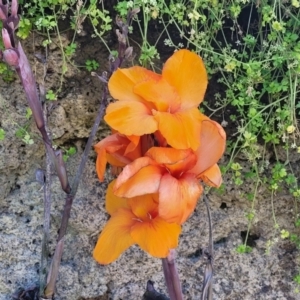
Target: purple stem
<point x="53" y="274"/>
<point x="171" y="276"/>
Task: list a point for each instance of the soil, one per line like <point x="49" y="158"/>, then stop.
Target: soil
<point x="265" y="273"/>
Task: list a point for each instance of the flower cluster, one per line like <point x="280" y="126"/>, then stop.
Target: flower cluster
<point x="161" y="148"/>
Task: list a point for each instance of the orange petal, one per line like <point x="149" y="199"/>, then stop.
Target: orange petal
<point x="181" y="129"/>
<point x="115" y="237"/>
<point x="138" y="178"/>
<point x="130" y="118"/>
<point x="134" y="142"/>
<point x="113" y="202"/>
<point x="213" y="141"/>
<point x="156" y="237"/>
<point x="130" y="150"/>
<point x="101" y="162"/>
<point x="100" y="148"/>
<point x="145" y="206"/>
<point x="114" y="149"/>
<point x="178" y="197"/>
<point x="108" y="141"/>
<point x="117" y="160"/>
<point x="185" y="71"/>
<point x="176" y="161"/>
<point x="161" y="93"/>
<point x="122" y="81"/>
<point x="212" y="176"/>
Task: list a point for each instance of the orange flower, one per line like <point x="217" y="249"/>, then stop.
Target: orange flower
<point x="168" y="103"/>
<point x="119" y="150"/>
<point x="174" y="174"/>
<point x="134" y="221"/>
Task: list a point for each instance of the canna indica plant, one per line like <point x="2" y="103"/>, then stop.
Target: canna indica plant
<point x="162" y="148"/>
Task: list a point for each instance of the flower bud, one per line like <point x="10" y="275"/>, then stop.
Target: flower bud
<point x="121" y="37"/>
<point x="3" y="11"/>
<point x="134" y="12"/>
<point x="6" y="39"/>
<point x="128" y="52"/>
<point x="14" y="8"/>
<point x="11" y="57"/>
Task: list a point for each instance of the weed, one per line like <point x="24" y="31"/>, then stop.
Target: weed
<point x="91" y="65"/>
<point x="68" y="152"/>
<point x="243" y="249"/>
<point x="2" y="134"/>
<point x="6" y="73"/>
<point x="51" y="95"/>
<point x="24" y="135"/>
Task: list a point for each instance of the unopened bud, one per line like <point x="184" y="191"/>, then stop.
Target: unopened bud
<point x="6" y="39"/>
<point x="119" y="22"/>
<point x="134" y="12"/>
<point x="14" y="7"/>
<point x="128" y="52"/>
<point x="3" y="11"/>
<point x="11" y="57"/>
<point x="121" y="37"/>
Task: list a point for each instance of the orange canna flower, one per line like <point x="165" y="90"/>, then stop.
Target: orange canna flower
<point x="167" y="103"/>
<point x="174" y="174"/>
<point x="134" y="221"/>
<point x="118" y="150"/>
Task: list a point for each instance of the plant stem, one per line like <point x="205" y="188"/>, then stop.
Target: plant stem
<point x="53" y="274"/>
<point x="207" y="291"/>
<point x="171" y="276"/>
<point x="47" y="209"/>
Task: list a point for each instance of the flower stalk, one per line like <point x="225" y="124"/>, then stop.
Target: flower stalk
<point x="171" y="276"/>
<point x="160" y="163"/>
<point x="54" y="268"/>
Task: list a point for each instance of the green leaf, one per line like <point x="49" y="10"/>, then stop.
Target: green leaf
<point x="2" y="134"/>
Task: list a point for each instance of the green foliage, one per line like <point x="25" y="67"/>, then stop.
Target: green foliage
<point x="70" y="49"/>
<point x="91" y="65"/>
<point x="2" y="134"/>
<point x="297" y="279"/>
<point x="28" y="113"/>
<point x="243" y="249"/>
<point x="47" y="22"/>
<point x="68" y="152"/>
<point x="24" y="28"/>
<point x="6" y="73"/>
<point x="44" y="16"/>
<point x="148" y="53"/>
<point x="51" y="95"/>
<point x="24" y="135"/>
<point x="284" y="234"/>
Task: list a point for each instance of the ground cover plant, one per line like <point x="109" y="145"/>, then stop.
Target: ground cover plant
<point x="251" y="52"/>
